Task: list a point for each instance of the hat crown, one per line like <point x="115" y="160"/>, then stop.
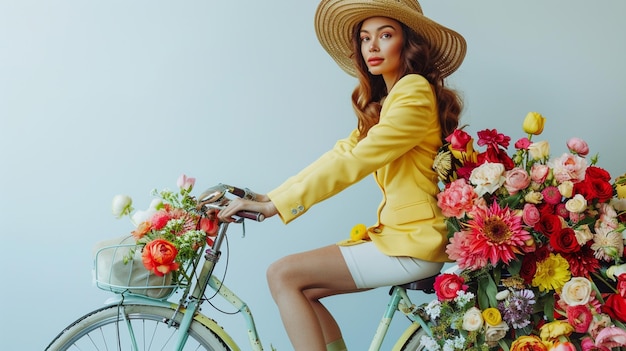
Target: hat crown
<point x="412" y="4"/>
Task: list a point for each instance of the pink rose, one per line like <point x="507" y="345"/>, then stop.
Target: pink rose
<point x="458" y="139"/>
<point x="611" y="337"/>
<point x="568" y="167"/>
<point x="515" y="180"/>
<point x="530" y="214"/>
<point x="587" y="344"/>
<point x="456" y="199"/>
<point x="447" y="285"/>
<point x="539" y="173"/>
<point x="578" y="146"/>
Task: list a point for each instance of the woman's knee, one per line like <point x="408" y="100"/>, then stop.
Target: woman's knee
<point x="277" y="274"/>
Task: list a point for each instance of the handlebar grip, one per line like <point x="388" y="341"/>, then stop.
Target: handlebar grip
<point x="257" y="216"/>
<point x="242" y="193"/>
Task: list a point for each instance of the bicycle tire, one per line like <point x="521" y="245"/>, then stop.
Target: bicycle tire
<point x="105" y="329"/>
<point x="414" y="342"/>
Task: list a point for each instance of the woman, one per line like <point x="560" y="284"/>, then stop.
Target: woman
<point x="404" y="111"/>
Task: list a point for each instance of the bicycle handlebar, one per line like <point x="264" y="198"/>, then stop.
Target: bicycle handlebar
<point x="214" y="197"/>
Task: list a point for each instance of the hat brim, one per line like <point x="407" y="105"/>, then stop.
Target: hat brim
<point x="335" y="21"/>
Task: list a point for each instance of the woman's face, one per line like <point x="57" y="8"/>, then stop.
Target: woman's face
<point x="381" y="46"/>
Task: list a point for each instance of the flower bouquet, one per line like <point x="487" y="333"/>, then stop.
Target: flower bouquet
<point x="539" y="244"/>
<point x="167" y="238"/>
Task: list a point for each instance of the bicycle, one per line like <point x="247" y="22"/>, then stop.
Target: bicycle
<point x="133" y="321"/>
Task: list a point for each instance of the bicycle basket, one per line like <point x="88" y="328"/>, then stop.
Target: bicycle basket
<point x="112" y="274"/>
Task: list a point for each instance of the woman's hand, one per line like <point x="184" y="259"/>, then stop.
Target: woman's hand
<point x="262" y="204"/>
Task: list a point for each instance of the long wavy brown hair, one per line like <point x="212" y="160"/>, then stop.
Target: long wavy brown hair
<point x="368" y="95"/>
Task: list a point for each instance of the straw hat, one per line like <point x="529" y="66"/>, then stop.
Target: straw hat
<point x="335" y="21"/>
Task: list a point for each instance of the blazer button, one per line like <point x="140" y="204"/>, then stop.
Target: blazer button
<point x="294" y="211"/>
<point x="300" y="208"/>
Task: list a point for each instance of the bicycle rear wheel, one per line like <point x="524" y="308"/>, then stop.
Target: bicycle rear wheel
<point x="414" y="343"/>
<point x="107" y="329"/>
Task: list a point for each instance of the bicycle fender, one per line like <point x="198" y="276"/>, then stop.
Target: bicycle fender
<point x="405" y="336"/>
<point x="217" y="329"/>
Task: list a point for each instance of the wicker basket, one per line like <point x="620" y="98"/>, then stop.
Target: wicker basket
<point x="112" y="274"/>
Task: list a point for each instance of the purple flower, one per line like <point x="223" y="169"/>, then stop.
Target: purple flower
<point x="517" y="308"/>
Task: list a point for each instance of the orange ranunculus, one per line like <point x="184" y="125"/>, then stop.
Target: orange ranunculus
<point x="528" y="343"/>
<point x="141" y="230"/>
<point x="158" y="257"/>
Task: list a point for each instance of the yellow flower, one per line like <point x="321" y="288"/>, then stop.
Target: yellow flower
<point x="359" y="232"/>
<point x="492" y="316"/>
<point x="553" y="330"/>
<point x="620" y="185"/>
<point x="528" y="342"/>
<point x="552" y="273"/>
<point x="533" y="123"/>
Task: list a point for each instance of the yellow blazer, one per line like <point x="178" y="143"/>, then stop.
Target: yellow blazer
<point x="399" y="152"/>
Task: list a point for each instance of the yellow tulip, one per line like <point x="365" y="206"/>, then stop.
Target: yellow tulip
<point x="533" y="123"/>
<point x="620" y="185"/>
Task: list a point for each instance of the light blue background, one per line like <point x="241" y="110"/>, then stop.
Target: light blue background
<point x="105" y="97"/>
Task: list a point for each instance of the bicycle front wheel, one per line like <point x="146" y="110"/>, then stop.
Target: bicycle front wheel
<point x="414" y="343"/>
<point x="115" y="328"/>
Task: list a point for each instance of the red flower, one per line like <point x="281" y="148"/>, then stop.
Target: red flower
<point x="529" y="268"/>
<point x="209" y="226"/>
<point x="551" y="195"/>
<point x="548" y="224"/>
<point x="615" y="307"/>
<point x="447" y="285"/>
<point x="493" y="139"/>
<point x="579" y="317"/>
<point x="602" y="190"/>
<point x="564" y="241"/>
<point x="160" y="219"/>
<point x="582" y="262"/>
<point x="594" y="172"/>
<point x="458" y="139"/>
<point x="158" y="257"/>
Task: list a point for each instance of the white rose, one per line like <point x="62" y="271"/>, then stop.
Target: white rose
<point x="472" y="319"/>
<point x="122" y="205"/>
<point x="577" y="204"/>
<point x="566" y="188"/>
<point x="539" y="150"/>
<point x="533" y="197"/>
<point x="493" y="333"/>
<point x="487" y="177"/>
<point x="577" y="291"/>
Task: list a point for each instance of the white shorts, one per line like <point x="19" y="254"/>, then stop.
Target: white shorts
<point x="370" y="268"/>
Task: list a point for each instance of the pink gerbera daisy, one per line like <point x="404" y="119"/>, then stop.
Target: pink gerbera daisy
<point x="497" y="234"/>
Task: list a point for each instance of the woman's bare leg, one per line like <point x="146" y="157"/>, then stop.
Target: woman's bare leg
<point x="297" y="282"/>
